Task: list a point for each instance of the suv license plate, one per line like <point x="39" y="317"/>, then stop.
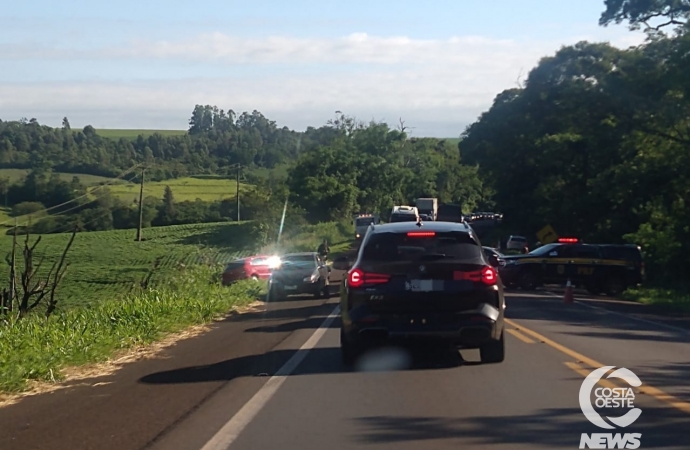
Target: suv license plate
<point x="426" y="285"/>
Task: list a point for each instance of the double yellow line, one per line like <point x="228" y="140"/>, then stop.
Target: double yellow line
<point x="582" y="359"/>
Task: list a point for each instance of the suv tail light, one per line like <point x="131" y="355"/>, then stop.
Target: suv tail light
<point x="358" y="278"/>
<point x="487" y="275"/>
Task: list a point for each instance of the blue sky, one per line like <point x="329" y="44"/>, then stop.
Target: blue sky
<point x="145" y="64"/>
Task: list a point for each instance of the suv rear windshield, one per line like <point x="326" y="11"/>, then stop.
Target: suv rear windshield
<point x="389" y="247"/>
<point x="403" y="218"/>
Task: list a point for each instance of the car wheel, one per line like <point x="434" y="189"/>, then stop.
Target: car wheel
<point x="254" y="278"/>
<point x="493" y="352"/>
<point x="593" y="289"/>
<point x="276" y="294"/>
<point x="614" y="287"/>
<point x="349" y="350"/>
<point x="528" y="282"/>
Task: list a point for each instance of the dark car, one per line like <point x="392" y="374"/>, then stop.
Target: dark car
<point x="598" y="268"/>
<point x="421" y="281"/>
<point x="299" y="273"/>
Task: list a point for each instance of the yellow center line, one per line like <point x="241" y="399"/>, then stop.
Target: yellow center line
<point x="584" y="372"/>
<point x="645" y="388"/>
<point x="520" y="336"/>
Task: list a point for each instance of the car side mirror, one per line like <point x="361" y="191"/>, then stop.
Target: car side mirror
<point x="342" y="263"/>
<point x="494" y="261"/>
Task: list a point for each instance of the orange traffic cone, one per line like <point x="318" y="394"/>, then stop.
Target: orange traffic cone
<point x="568" y="297"/>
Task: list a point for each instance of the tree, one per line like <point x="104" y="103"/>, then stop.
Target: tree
<point x="641" y="12"/>
<point x="167" y="213"/>
<point x="65" y="124"/>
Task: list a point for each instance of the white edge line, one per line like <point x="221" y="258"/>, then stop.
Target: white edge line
<point x="231" y="430"/>
<point x="649" y="322"/>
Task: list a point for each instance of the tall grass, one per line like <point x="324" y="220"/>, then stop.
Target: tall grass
<point x="36" y="348"/>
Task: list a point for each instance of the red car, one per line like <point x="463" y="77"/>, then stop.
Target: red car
<point x="255" y="267"/>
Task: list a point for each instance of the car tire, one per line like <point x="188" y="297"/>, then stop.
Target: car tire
<point x="493" y="352"/>
<point x="615" y="286"/>
<point x="593" y="289"/>
<point x="276" y="294"/>
<point x="349" y="350"/>
<point x="528" y="282"/>
<point x="254" y="278"/>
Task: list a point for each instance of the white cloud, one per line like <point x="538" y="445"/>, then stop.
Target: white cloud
<point x="439" y="85"/>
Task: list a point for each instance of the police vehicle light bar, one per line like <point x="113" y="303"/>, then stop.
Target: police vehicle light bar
<point x="568" y="240"/>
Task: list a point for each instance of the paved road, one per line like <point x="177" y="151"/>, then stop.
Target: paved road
<point x="274" y="379"/>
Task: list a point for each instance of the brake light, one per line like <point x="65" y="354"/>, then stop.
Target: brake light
<point x="358" y="278"/>
<point x="421" y="234"/>
<point x="487" y="276"/>
<point x="568" y="240"/>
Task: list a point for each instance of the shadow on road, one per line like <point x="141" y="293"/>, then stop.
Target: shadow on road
<point x="318" y="361"/>
<point x="551" y="428"/>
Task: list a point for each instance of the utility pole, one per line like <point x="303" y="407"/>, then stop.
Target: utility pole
<point x="141" y="204"/>
<point x="238" y="192"/>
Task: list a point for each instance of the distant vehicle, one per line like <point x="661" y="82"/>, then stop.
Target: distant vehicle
<point x="255" y="267"/>
<point x="449" y="213"/>
<point x="299" y="273"/>
<point x="425" y="217"/>
<point x="428" y="206"/>
<point x="598" y="268"/>
<point x="431" y="282"/>
<point x="516" y="243"/>
<point x="404" y="214"/>
<point x="362" y="223"/>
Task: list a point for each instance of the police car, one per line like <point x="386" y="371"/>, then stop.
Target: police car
<point x="610" y="269"/>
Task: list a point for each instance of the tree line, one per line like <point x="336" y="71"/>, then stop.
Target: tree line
<point x="216" y="142"/>
<point x="597" y="140"/>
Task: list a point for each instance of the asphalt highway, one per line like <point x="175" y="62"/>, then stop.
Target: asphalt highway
<point x="274" y="379"/>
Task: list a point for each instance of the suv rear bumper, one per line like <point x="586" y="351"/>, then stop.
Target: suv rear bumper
<point x="468" y="329"/>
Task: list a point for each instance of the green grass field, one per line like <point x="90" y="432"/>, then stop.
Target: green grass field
<point x="16" y="175"/>
<point x="134" y="134"/>
<point x="107" y="264"/>
<point x="188" y="188"/>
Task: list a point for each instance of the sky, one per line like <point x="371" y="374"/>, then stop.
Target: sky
<point x="437" y="65"/>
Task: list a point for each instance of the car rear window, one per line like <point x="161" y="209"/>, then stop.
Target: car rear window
<point x="457" y="246"/>
<point x="298" y="261"/>
<point x="518" y="239"/>
<point x="621" y="252"/>
<point x="234" y="265"/>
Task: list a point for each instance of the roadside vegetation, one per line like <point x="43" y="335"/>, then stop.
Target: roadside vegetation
<point x="36" y="348"/>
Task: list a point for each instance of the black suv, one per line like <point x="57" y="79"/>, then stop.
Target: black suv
<point x="427" y="280"/>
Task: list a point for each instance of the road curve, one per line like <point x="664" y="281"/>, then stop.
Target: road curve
<point x="274" y="379"/>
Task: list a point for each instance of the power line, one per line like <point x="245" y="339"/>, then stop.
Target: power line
<point x="80" y="197"/>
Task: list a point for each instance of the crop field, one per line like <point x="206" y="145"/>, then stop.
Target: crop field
<point x="16" y="175"/>
<point x="188" y="188"/>
<point x="134" y="134"/>
<point x="107" y="264"/>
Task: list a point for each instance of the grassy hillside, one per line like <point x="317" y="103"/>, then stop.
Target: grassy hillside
<point x="15" y="175"/>
<point x="106" y="264"/>
<point x="133" y="134"/>
<point x="188" y="188"/>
